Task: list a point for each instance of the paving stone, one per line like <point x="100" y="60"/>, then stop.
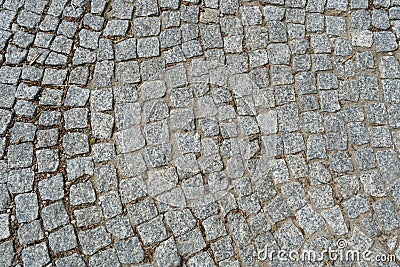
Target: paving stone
<point x="56" y="59"/>
<point x="214" y="228"/>
<point x="340" y="163"/>
<point x="52" y="188"/>
<point x="130" y="140"/>
<point x="182" y="119"/>
<point x="190" y="243"/>
<point x="122" y="10"/>
<point x="128" y="72"/>
<point x="2" y="146"/>
<point x="389" y="67"/>
<point x="355" y="4"/>
<point x="170" y="4"/>
<point x="278" y="54"/>
<point x="320" y="43"/>
<point x="277" y="31"/>
<point x="107" y="257"/>
<point x="82" y="193"/>
<point x="294" y="194"/>
<point x="88" y="216"/>
<point x="4" y="226"/>
<point x="8" y="251"/>
<point x="25" y="109"/>
<point x="172" y="198"/>
<point x="230" y="263"/>
<point x="277" y="210"/>
<point x="127" y="115"/>
<point x="20" y="155"/>
<point x="111" y="204"/>
<point x="189" y="32"/>
<point x="131" y="164"/>
<point x="48" y="160"/>
<point x="125" y="94"/>
<point x="26" y="91"/>
<point x="322" y="197"/>
<point x="116" y="28"/>
<point x="348" y="185"/>
<point x="371" y="225"/>
<point x="385" y="42"/>
<point x="120" y="227"/>
<point x="312" y="122"/>
<point x="20" y="181"/>
<point x="93" y="240"/>
<point x="130" y="250"/>
<point x="63" y="239"/>
<point x="54" y="215"/>
<point x="76" y="143"/>
<point x="67" y="28"/>
<point x="125" y="50"/>
<point x="329" y="101"/>
<point x="373" y="183"/>
<point x="103" y="73"/>
<point x="309" y="219"/>
<point x="26" y="207"/>
<point x="315" y="22"/>
<point x="211" y="36"/>
<point x="358" y="133"/>
<point x="158" y="156"/>
<point x="146" y="7"/>
<point x="327" y="81"/>
<point x="386" y="213"/>
<point x="388" y="164"/>
<point x="36" y="255"/>
<point x="319" y="174"/>
<point x="380" y="19"/>
<point x="102" y="125"/>
<point x="30" y="232"/>
<point x="321" y="62"/>
<point x="289" y="236"/>
<point x="8" y="92"/>
<point x="10" y="75"/>
<point x="80" y="75"/>
<point x="101" y="100"/>
<point x="93" y="21"/>
<point x="105" y="51"/>
<point x="3" y="172"/>
<point x="5" y="199"/>
<point x="105" y="178"/>
<point x="380" y="136"/>
<point x="315" y="147"/>
<point x="73" y="259"/>
<point x="368" y="87"/>
<point x="335" y="220"/>
<point x="148" y="47"/>
<point x="175" y="221"/>
<point x="79" y="167"/>
<point x="295" y="15"/>
<point x="394" y="116"/>
<point x="152" y="231"/>
<point x="357" y="205"/>
<point x="391" y="89"/>
<point x="202" y="259"/>
<point x="335" y="25"/>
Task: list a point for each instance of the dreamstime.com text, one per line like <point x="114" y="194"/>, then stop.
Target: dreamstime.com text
<point x="340" y="253"/>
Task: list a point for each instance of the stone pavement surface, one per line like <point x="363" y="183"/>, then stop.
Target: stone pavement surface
<point x="197" y="133"/>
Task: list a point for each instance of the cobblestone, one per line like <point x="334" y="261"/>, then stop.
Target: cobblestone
<point x="193" y="134"/>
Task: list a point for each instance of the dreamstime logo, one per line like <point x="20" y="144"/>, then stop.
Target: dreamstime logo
<point x="340" y="253"/>
<point x="187" y="179"/>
